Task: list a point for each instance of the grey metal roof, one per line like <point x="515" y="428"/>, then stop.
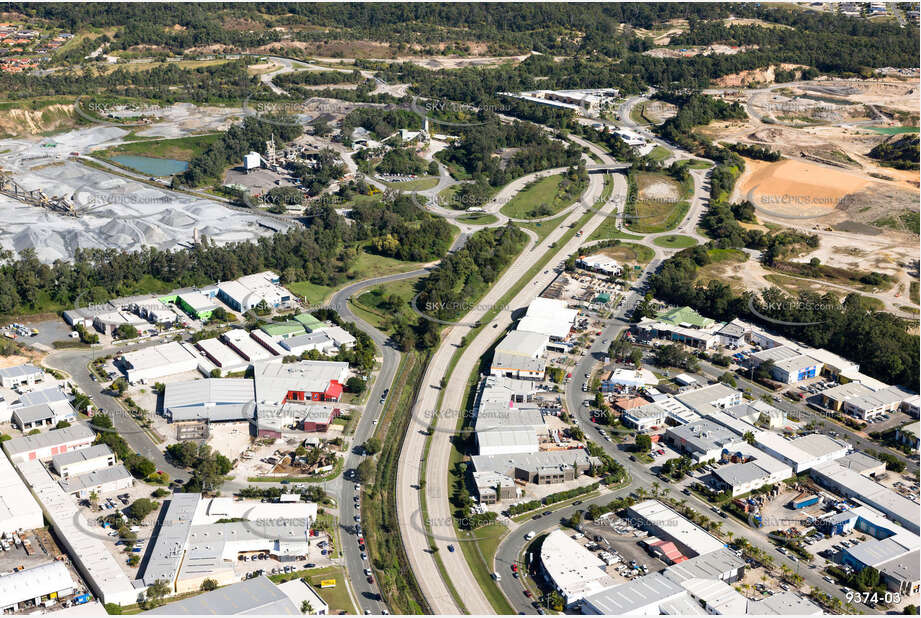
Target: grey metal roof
<point x="216" y="399"/>
<point x="48" y="395"/>
<point x="907" y="567"/>
<point x="706" y="395"/>
<point x="707" y="566"/>
<point x="530" y="461"/>
<point x="31" y="414"/>
<point x="76" y="431"/>
<point x="516" y="362"/>
<point x="741" y="473"/>
<point x="19" y="371"/>
<point x="172" y="536"/>
<point x="634" y="595"/>
<point x="257" y="596"/>
<point x="94" y="478"/>
<point x="84" y="454"/>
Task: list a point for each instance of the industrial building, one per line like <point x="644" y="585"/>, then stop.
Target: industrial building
<point x="35" y="585"/>
<point x="18" y="509"/>
<point x="221" y="356"/>
<point x="652" y="594"/>
<point x="318" y="341"/>
<point x="574" y="571"/>
<point x="644" y="418"/>
<point x="492" y="487"/>
<point x="75" y="463"/>
<point x="101" y="481"/>
<point x="20" y="375"/>
<point x="702" y="440"/>
<point x="302" y="594"/>
<point x="755" y="472"/>
<point x="245" y="346"/>
<point x="284" y="330"/>
<point x="790" y="365"/>
<point x="877" y="403"/>
<point x="628" y="377"/>
<point x="108" y="323"/>
<point x="517" y="367"/>
<point x="599" y="264"/>
<point x="549" y="317"/>
<point x="88" y="553"/>
<point x="47" y="395"/>
<point x="908" y="435"/>
<point x="247" y="292"/>
<point x="848" y="483"/>
<point x="802" y="453"/>
<point x="196" y="304"/>
<point x="44" y="446"/>
<point x="256" y="596"/>
<point x="665" y="523"/>
<point x="43" y="415"/>
<point x="149" y="364"/>
<point x="542" y="468"/>
<point x="212" y="399"/>
<point x="278" y="383"/>
<point x="702" y="400"/>
<point x="191" y="545"/>
<point x="523" y="343"/>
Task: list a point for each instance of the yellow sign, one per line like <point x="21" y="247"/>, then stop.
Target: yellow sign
<point x="328" y="583"/>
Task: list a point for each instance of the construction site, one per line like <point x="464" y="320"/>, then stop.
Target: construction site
<point x="52" y="201"/>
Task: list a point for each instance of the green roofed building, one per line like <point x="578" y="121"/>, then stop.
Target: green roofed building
<point x="684" y="316"/>
<point x="309" y="322"/>
<point x="284" y="330"/>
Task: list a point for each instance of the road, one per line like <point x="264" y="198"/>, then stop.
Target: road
<point x="74" y="363"/>
<point x="437" y="499"/>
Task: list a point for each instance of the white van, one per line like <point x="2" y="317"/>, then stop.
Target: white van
<point x="529" y="536"/>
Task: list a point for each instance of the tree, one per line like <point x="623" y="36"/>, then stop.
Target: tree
<point x="555" y="601"/>
<point x="141" y="508"/>
<point x="126" y="331"/>
<point x="749" y="437"/>
<point x="306" y="607"/>
<point x="94" y="498"/>
<point x="433" y="169"/>
<point x="133" y="560"/>
<point x="636" y="357"/>
<point x="113" y="609"/>
<point x="119" y="386"/>
<point x="372" y="446"/>
<point x="157" y="590"/>
<point x="62" y="425"/>
<point x="209" y="584"/>
<point x="643" y="443"/>
<point x="365" y="470"/>
<point x="728" y="378"/>
<point x="355" y="385"/>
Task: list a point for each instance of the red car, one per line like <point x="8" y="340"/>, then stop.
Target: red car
<point x="361" y="540"/>
<point x="528" y="594"/>
<point x="370" y="579"/>
<point x="515" y="568"/>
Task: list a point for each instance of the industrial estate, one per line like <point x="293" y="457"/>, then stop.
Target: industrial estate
<point x="602" y="309"/>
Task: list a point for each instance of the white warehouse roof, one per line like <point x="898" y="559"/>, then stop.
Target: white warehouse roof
<point x="36" y="582"/>
<point x="18" y="509"/>
<point x="575" y="571"/>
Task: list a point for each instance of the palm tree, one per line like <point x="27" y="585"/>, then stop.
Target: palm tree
<point x="655" y="488"/>
<point x="94" y="498"/>
<point x="306" y="607"/>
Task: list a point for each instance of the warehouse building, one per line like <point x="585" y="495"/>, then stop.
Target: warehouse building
<point x="318" y="341"/>
<point x="644" y="418"/>
<point x="542" y="468"/>
<point x="803" y="453"/>
<point x="196" y="304"/>
<point x="248" y="292"/>
<point x="524" y="344"/>
<point x="212" y="399"/>
<point x="302" y="594"/>
<point x="850" y="484"/>
<point x="650" y="595"/>
<point x="44" y="446"/>
<point x="318" y="418"/>
<point x="492" y="487"/>
<point x="517" y="367"/>
<point x="550" y="317"/>
<point x="256" y="596"/>
<point x="221" y="356"/>
<point x="702" y="440"/>
<point x="663" y="522"/>
<point x="47" y="395"/>
<point x="245" y="346"/>
<point x="88" y="553"/>
<point x="908" y="435"/>
<point x="287" y="329"/>
<point x="18" y="509"/>
<point x="20" y="375"/>
<point x="35" y="585"/>
<point x="861" y="463"/>
<point x="191" y="545"/>
<point x="574" y="571"/>
<point x="755" y="472"/>
<point x="108" y="323"/>
<point x="101" y="481"/>
<point x="278" y="383"/>
<point x="599" y="263"/>
<point x="85" y="460"/>
<point x="871" y="405"/>
<point x="150" y="364"/>
<point x="43" y="415"/>
<point x="716" y="396"/>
